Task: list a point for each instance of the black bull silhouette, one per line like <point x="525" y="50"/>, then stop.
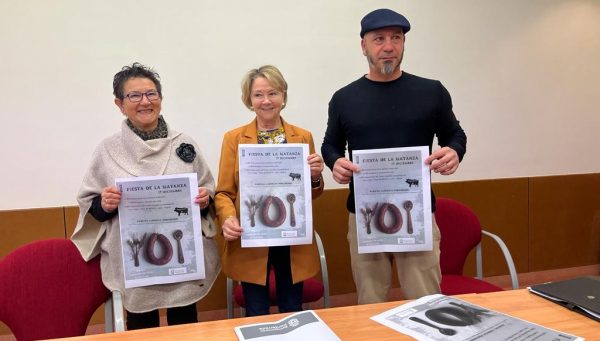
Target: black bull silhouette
<point x="181" y="210"/>
<point x="412" y="182"/>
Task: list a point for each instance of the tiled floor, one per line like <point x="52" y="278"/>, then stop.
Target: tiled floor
<point x="525" y="279"/>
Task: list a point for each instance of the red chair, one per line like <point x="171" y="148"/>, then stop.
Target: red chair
<point x="48" y="291"/>
<point x="312" y="290"/>
<point x="461" y="232"/>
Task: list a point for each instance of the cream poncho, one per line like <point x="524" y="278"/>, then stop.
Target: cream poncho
<point x="126" y="155"/>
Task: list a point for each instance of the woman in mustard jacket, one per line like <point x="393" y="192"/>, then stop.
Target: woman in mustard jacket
<point x="264" y="91"/>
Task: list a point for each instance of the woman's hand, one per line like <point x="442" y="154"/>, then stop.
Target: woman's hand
<point x="202" y="198"/>
<point x="110" y="198"/>
<point x="315" y="162"/>
<point x="232" y="229"/>
<point x="343" y="170"/>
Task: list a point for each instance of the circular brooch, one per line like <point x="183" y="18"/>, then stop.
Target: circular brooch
<point x="186" y="152"/>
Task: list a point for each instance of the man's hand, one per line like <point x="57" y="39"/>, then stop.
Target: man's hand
<point x="343" y="170"/>
<point x="443" y="161"/>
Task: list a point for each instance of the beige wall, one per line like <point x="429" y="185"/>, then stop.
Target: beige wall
<point x="523" y="76"/>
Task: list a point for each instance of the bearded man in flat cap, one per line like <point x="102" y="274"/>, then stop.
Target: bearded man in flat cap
<point x="390" y="108"/>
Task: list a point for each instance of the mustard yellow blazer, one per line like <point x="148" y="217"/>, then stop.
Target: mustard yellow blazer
<point x="250" y="264"/>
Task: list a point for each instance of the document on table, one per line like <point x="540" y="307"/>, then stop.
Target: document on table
<point x="392" y="196"/>
<point x="161" y="234"/>
<point x="275" y="195"/>
<point x="301" y="326"/>
<point x="439" y="317"/>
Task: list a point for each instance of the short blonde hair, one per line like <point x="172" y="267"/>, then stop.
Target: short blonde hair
<point x="271" y="74"/>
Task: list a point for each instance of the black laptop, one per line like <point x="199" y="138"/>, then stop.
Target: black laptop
<point x="580" y="294"/>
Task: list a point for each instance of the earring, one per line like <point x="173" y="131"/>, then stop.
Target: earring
<point x="251" y="108"/>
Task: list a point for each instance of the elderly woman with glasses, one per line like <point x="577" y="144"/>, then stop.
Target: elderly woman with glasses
<point x="264" y="91"/>
<point x="145" y="146"/>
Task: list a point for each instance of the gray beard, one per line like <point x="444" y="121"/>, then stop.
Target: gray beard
<point x="388" y="68"/>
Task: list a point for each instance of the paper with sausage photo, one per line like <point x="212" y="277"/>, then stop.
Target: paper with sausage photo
<point x="275" y="195"/>
<point x="392" y="196"/>
<point x="160" y="229"/>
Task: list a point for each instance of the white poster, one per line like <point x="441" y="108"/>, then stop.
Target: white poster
<point x="275" y="195"/>
<point x="444" y="318"/>
<point x="161" y="234"/>
<point x="392" y="196"/>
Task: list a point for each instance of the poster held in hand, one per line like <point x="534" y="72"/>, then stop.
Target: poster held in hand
<point x="392" y="196"/>
<point x="275" y="195"/>
<point x="161" y="233"/>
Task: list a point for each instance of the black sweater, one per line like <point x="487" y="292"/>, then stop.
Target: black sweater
<point x="405" y="112"/>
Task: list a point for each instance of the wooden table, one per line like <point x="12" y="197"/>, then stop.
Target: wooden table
<point x="353" y="322"/>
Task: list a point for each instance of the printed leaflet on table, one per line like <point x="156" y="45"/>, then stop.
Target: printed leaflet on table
<point x="444" y="318"/>
<point x="301" y="326"/>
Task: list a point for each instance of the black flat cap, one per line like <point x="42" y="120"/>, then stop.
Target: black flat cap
<point x="381" y="18"/>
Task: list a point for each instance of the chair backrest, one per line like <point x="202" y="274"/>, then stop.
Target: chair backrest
<point x="48" y="291"/>
<point x="461" y="232"/>
<point x="312" y="290"/>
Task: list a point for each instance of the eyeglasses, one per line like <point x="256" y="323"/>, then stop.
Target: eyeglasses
<point x="135" y="96"/>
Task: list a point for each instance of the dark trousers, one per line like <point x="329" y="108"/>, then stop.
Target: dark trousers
<point x="289" y="295"/>
<point x="177" y="315"/>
